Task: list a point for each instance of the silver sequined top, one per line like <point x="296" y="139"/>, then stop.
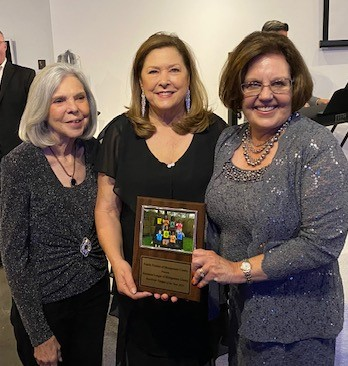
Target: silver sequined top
<point x="296" y="213"/>
<point x="42" y="226"/>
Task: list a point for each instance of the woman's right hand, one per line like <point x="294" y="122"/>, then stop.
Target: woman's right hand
<point x="125" y="281"/>
<point x="107" y="218"/>
<point x="48" y="353"/>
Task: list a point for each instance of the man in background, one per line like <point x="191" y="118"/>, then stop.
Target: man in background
<point x="283" y="28"/>
<point x="276" y="26"/>
<point x="14" y="87"/>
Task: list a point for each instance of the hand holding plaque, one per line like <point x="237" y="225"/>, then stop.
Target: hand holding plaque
<point x="166" y="233"/>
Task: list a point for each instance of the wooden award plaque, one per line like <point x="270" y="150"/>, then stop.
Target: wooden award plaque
<point x="166" y="233"/>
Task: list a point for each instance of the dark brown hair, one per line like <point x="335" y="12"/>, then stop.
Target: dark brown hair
<point x="275" y="26"/>
<point x="198" y="119"/>
<point x="255" y="45"/>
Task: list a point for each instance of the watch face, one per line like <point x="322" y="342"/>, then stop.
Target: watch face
<point x="246" y="266"/>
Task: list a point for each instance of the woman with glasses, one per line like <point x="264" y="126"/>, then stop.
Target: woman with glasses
<point x="279" y="199"/>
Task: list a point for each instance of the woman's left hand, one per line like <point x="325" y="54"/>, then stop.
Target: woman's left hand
<point x="48" y="353"/>
<point x="208" y="266"/>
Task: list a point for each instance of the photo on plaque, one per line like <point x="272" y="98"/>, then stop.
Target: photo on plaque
<point x="166" y="233"/>
<point x="168" y="229"/>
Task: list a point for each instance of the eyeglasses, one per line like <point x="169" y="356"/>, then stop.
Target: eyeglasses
<point x="254" y="88"/>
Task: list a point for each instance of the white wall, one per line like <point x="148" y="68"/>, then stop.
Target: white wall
<point x="28" y="23"/>
<point x="107" y="33"/>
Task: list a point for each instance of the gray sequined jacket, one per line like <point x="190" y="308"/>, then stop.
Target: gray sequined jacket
<point x="297" y="216"/>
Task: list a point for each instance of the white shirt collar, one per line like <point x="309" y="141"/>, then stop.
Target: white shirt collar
<point x="2" y="68"/>
<point x="4" y="63"/>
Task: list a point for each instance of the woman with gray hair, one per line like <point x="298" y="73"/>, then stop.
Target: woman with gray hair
<point x="56" y="270"/>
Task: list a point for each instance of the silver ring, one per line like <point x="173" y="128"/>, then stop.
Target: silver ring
<point x="201" y="273"/>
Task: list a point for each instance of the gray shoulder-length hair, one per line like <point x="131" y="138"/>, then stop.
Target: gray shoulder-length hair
<point x="33" y="126"/>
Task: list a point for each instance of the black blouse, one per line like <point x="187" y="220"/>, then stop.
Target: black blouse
<point x="137" y="172"/>
<point x="160" y="328"/>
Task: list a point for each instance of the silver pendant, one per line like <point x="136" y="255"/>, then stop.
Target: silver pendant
<point x="85" y="247"/>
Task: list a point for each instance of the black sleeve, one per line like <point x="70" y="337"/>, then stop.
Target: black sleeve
<point x="107" y="159"/>
<point x="92" y="149"/>
<point x="219" y="122"/>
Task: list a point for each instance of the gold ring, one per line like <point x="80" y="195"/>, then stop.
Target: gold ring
<point x="201" y="273"/>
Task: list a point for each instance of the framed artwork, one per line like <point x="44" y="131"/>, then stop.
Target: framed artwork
<point x="335" y="32"/>
<point x="10" y="52"/>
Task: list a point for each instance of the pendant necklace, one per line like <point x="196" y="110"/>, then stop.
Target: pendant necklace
<point x="71" y="176"/>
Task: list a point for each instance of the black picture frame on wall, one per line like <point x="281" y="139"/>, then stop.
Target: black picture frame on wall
<point x="11" y="51"/>
<point x="8" y="51"/>
<point x="326" y="42"/>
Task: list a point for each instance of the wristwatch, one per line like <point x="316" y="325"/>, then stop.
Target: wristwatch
<point x="246" y="269"/>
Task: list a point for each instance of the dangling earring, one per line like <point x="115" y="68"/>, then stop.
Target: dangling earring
<point x="188" y="101"/>
<point x="143" y="104"/>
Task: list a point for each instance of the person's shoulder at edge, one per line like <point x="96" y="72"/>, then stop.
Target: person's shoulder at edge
<point x="118" y="123"/>
<point x="216" y="125"/>
<point x="19" y="161"/>
<point x="218" y="121"/>
<point x="92" y="148"/>
<point x="20" y="67"/>
<point x="312" y="130"/>
<point x="312" y="140"/>
<point x="25" y="72"/>
<point x="19" y="152"/>
<point x="230" y="131"/>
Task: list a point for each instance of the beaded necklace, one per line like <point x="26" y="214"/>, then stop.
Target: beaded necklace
<point x="264" y="148"/>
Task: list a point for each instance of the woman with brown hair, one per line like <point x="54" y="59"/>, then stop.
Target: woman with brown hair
<point x="282" y="221"/>
<point x="163" y="146"/>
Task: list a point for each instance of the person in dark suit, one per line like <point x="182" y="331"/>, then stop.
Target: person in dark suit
<point x="14" y="87"/>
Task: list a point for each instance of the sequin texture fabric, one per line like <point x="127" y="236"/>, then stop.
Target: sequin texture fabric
<point x="42" y="226"/>
<point x="296" y="214"/>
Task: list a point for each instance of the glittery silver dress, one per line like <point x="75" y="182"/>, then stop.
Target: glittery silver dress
<point x="42" y="227"/>
<point x="295" y="212"/>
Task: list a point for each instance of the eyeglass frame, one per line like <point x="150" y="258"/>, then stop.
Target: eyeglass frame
<point x="267" y="85"/>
